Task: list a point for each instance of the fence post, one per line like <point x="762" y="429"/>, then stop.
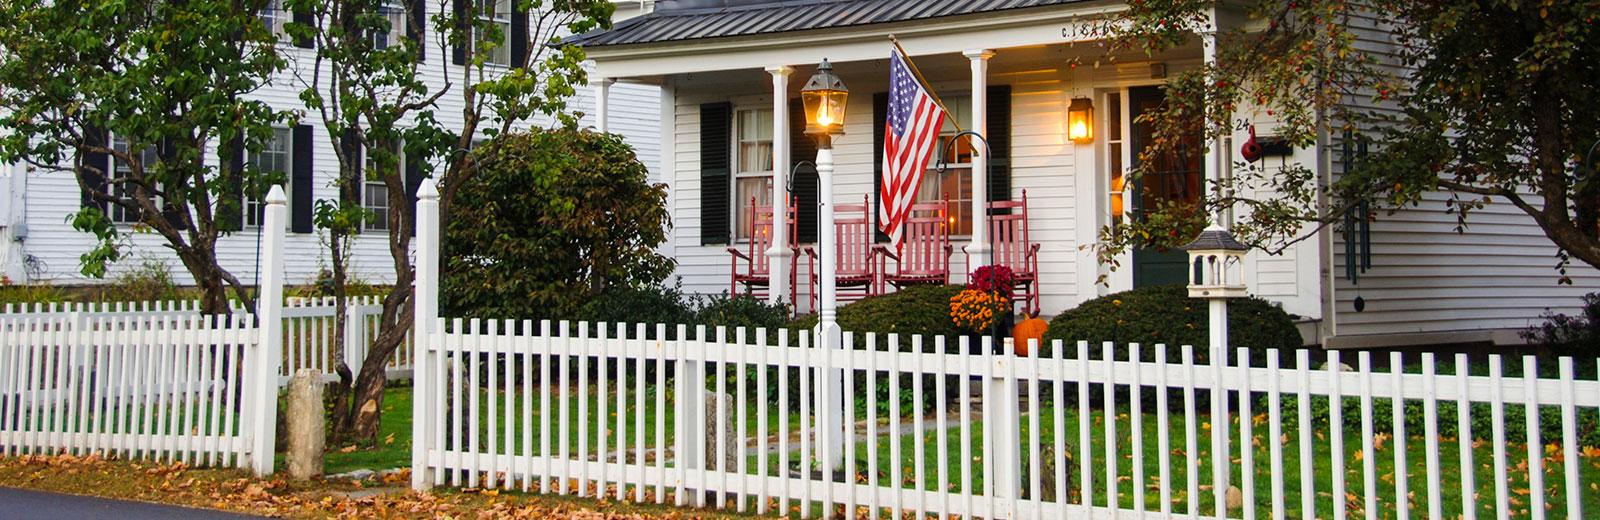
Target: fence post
<point x="355" y="332"/>
<point x="269" y="345"/>
<point x="425" y="302"/>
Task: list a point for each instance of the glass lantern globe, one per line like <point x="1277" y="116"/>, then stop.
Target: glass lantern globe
<point x="824" y="97"/>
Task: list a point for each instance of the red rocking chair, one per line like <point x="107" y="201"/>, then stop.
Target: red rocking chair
<point x="1013" y="248"/>
<point x="757" y="275"/>
<point x="855" y="273"/>
<point x="924" y="255"/>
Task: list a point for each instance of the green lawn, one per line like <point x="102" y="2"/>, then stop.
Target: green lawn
<point x="397" y="423"/>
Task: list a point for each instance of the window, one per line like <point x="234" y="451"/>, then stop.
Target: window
<point x="375" y="193"/>
<point x="396" y="15"/>
<point x="122" y="190"/>
<point x="1115" y="144"/>
<point x="494" y="16"/>
<point x="274" y="16"/>
<point x="271" y="163"/>
<point x="752" y="165"/>
<point x="955" y="184"/>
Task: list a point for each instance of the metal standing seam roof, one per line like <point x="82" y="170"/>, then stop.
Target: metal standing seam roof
<point x="736" y="18"/>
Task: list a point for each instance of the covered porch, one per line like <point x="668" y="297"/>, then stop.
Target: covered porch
<point x="732" y="133"/>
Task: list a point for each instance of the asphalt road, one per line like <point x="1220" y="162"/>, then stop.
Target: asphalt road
<point x="20" y="504"/>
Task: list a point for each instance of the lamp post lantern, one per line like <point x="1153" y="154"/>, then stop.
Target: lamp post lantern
<point x="824" y="97"/>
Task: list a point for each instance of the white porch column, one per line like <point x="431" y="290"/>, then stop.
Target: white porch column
<point x="978" y="250"/>
<point x="602" y="102"/>
<point x="779" y="254"/>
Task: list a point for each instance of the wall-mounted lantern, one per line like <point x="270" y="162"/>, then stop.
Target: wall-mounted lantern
<point x="1080" y="121"/>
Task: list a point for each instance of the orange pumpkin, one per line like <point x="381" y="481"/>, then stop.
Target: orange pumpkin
<point x="1031" y="329"/>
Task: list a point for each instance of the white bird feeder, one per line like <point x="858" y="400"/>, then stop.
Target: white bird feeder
<point x="1216" y="265"/>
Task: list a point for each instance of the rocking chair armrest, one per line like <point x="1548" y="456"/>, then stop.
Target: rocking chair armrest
<point x="737" y="253"/>
<point x="810" y="252"/>
<point x="885" y="251"/>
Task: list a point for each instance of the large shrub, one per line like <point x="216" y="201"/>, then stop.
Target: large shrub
<point x="1571" y="335"/>
<point x="922" y="309"/>
<point x="552" y="219"/>
<point x="650" y="305"/>
<point x="1165" y="314"/>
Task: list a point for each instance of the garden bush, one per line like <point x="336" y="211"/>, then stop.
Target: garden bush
<point x="550" y="220"/>
<point x="1570" y="335"/>
<point x="1165" y="314"/>
<point x="651" y="305"/>
<point x="923" y="309"/>
<point x="740" y="311"/>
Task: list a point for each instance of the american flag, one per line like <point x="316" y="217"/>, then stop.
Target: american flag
<point x="908" y="139"/>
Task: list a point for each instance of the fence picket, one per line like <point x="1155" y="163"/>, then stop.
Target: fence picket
<point x="1502" y="496"/>
<point x="1336" y="432"/>
<point x="1535" y="447"/>
<point x="1569" y="442"/>
<point x="1275" y="438"/>
<point x="1469" y="506"/>
<point x="1402" y="502"/>
<point x="1369" y="459"/>
<point x="1109" y="418"/>
<point x="1247" y="472"/>
<point x="1191" y="448"/>
<point x="1136" y="427"/>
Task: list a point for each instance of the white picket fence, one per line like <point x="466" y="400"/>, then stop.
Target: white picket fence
<point x="575" y="409"/>
<point x="308" y="328"/>
<point x="160" y="386"/>
<point x="153" y="381"/>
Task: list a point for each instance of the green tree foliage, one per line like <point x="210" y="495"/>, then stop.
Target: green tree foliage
<point x="171" y="80"/>
<point x="557" y="217"/>
<point x="1488" y="101"/>
<point x="368" y="89"/>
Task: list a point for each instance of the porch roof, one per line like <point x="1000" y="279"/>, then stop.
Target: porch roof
<point x="703" y="19"/>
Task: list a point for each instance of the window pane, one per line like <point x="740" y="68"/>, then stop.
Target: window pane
<point x="757" y="188"/>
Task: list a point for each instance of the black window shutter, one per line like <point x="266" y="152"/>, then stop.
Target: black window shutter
<point x="416" y="26"/>
<point x="173" y="205"/>
<point x="414" y="178"/>
<point x="802" y="148"/>
<point x="519" y="34"/>
<point x="999" y="121"/>
<point x="301" y="183"/>
<point x="716" y="171"/>
<point x="95" y="167"/>
<point x="303" y="17"/>
<point x="880" y="118"/>
<point x="458" y="52"/>
<point x="230" y="207"/>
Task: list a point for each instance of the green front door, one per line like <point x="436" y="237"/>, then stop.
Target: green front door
<point x="1175" y="177"/>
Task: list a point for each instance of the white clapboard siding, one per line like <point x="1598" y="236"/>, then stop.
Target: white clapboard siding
<point x="56" y="246"/>
<point x="1234" y="402"/>
<point x="1497" y="273"/>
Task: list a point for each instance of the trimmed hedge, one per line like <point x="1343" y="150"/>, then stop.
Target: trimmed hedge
<point x="1165" y="314"/>
<point x="923" y="309"/>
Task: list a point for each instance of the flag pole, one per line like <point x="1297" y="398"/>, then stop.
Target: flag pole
<point x="924" y="81"/>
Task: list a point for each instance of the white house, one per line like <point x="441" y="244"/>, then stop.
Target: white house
<point x="37" y="244"/>
<point x="730" y="71"/>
